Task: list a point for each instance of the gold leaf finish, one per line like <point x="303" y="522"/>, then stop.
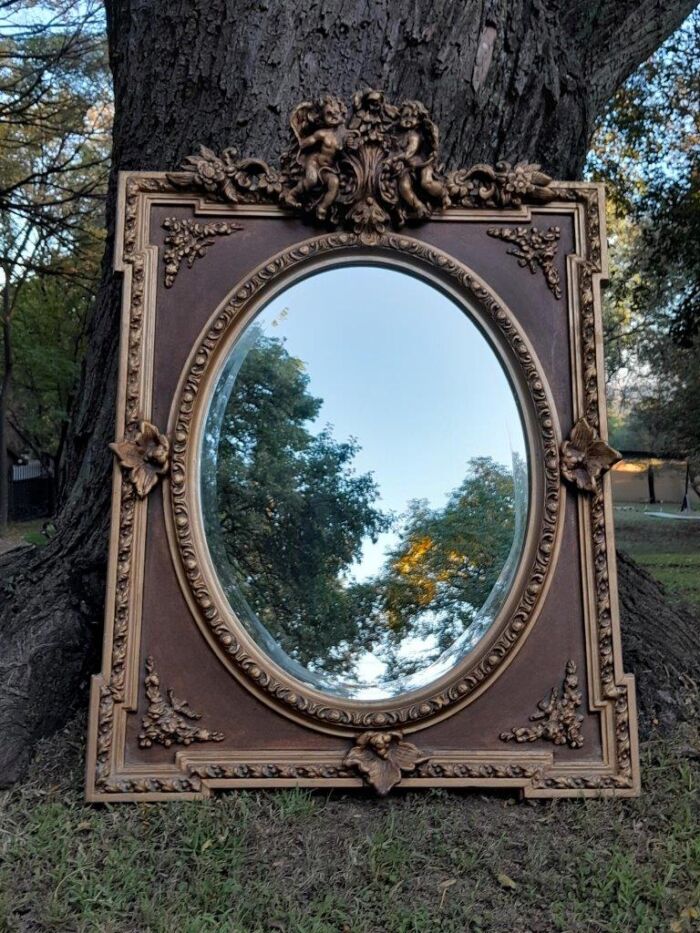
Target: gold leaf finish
<point x="556" y="718"/>
<point x="585" y="457"/>
<point x="144" y="457"/>
<point x="382" y="757"/>
<point x="166" y="722"/>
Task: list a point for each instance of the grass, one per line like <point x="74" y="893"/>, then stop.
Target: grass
<point x="668" y="548"/>
<point x="303" y="862"/>
<point x="23" y="533"/>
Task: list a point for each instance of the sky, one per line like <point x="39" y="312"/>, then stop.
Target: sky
<point x="400" y="367"/>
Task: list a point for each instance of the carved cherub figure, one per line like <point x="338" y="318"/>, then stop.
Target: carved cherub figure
<point x="416" y="163"/>
<point x="319" y="129"/>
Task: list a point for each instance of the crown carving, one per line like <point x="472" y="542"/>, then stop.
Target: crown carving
<point x="367" y="167"/>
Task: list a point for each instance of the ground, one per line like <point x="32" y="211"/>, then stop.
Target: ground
<point x="22" y="533"/>
<point x="669" y="548"/>
<point x="302" y="862"/>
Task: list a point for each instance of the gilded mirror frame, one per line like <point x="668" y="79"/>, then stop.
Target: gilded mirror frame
<point x="144" y="742"/>
<point x="208" y="603"/>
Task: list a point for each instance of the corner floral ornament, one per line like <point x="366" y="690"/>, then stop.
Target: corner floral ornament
<point x="381" y="757"/>
<point x="556" y="718"/>
<point x="166" y="723"/>
<point x="144" y="457"/>
<point x="585" y="457"/>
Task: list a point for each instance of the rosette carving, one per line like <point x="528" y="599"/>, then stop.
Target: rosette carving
<point x="144" y="456"/>
<point x="382" y="757"/>
<point x="501" y="185"/>
<point x="585" y="457"/>
<point x="369" y="167"/>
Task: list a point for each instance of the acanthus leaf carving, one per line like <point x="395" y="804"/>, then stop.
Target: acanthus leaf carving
<point x="382" y="757"/>
<point x="585" y="456"/>
<point x="187" y="240"/>
<point x="533" y="248"/>
<point x="556" y="719"/>
<point x="144" y="456"/>
<point x="166" y="720"/>
<point x="367" y="168"/>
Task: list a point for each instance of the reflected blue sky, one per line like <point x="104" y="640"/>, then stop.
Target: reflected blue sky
<point x="401" y="368"/>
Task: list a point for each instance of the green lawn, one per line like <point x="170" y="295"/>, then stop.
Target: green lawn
<point x="294" y="861"/>
<point x="301" y="862"/>
<point x="669" y="548"/>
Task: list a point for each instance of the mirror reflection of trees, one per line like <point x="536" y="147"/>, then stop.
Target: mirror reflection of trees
<point x="293" y="513"/>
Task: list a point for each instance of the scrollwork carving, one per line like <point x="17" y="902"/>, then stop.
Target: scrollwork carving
<point x="533" y="248"/>
<point x="382" y="757"/>
<point x="556" y="719"/>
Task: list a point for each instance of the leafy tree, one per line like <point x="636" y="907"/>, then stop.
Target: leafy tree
<point x="522" y="80"/>
<point x="647" y="150"/>
<point x="55" y="118"/>
<point x="291" y="513"/>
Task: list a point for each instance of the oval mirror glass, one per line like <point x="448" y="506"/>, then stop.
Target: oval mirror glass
<point x="364" y="481"/>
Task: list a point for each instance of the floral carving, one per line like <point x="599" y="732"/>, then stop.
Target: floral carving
<point x="533" y="248"/>
<point x="166" y="721"/>
<point x="382" y="757"/>
<point x="368" y="167"/>
<point x="556" y="717"/>
<point x="585" y="457"/>
<point x="227" y="177"/>
<point x="144" y="456"/>
<point x="502" y="185"/>
<point x="187" y="240"/>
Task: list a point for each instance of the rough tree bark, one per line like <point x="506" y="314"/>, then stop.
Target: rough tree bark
<point x="504" y="79"/>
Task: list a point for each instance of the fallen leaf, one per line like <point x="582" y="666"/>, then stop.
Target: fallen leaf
<point x="505" y="881"/>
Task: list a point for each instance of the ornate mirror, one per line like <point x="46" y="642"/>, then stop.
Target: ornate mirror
<point x="361" y="524"/>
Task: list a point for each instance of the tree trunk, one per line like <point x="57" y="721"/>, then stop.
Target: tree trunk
<point x="505" y="79"/>
<point x="5" y="385"/>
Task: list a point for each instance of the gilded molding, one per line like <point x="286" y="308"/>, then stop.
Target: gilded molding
<point x="480" y="187"/>
<point x="533" y="248"/>
<point x="367" y="168"/>
<point x="144" y="457"/>
<point x="188" y="240"/>
<point x="382" y="757"/>
<point x="556" y="719"/>
<point x="585" y="457"/>
<point x="166" y="721"/>
<point x="255" y="666"/>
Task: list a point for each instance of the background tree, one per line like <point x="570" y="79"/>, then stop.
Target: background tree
<point x="513" y="79"/>
<point x="647" y="150"/>
<point x="53" y="157"/>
